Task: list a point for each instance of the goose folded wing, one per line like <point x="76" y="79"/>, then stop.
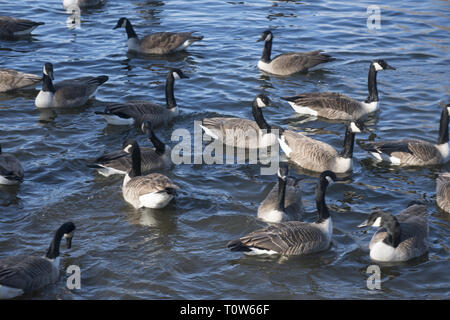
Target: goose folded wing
<point x="165" y="40"/>
<point x="25" y="272"/>
<point x="288" y="238"/>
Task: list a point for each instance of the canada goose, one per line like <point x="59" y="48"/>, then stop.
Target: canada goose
<point x="11" y="171"/>
<point x="156" y="43"/>
<point x="12" y="80"/>
<point x="333" y="105"/>
<point x="67" y="93"/>
<point x="443" y="191"/>
<point x="293" y="237"/>
<point x="243" y="133"/>
<point x="400" y="238"/>
<point x="318" y="156"/>
<point x="284" y="201"/>
<point x="413" y="152"/>
<point x="67" y="4"/>
<point x="288" y="63"/>
<point x="119" y="162"/>
<point x="154" y="190"/>
<point x="11" y="28"/>
<point x="137" y="112"/>
<point x="25" y="274"/>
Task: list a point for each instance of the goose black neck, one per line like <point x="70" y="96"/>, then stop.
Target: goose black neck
<point x="393" y="229"/>
<point x="281" y="194"/>
<point x="372" y="84"/>
<point x="53" y="250"/>
<point x="170" y="98"/>
<point x="443" y="127"/>
<point x="160" y="147"/>
<point x="267" y="51"/>
<point x="259" y="118"/>
<point x="135" y="162"/>
<point x="130" y="30"/>
<point x="349" y="142"/>
<point x="47" y="84"/>
<point x="322" y="209"/>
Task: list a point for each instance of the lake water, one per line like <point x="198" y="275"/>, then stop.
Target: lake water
<point x="180" y="252"/>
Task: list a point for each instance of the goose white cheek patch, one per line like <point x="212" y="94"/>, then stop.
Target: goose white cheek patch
<point x="176" y="76"/>
<point x="268" y="37"/>
<point x="330" y="181"/>
<point x="377" y="222"/>
<point x="260" y="103"/>
<point x="354" y="127"/>
<point x="377" y="66"/>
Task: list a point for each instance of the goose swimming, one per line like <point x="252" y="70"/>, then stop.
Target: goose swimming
<point x="337" y="106"/>
<point x="159" y="43"/>
<point x="293" y="237"/>
<point x="136" y="112"/>
<point x="401" y="237"/>
<point x="67" y="93"/>
<point x="25" y="274"/>
<point x="288" y="63"/>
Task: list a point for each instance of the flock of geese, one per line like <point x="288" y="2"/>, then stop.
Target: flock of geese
<point x="399" y="238"/>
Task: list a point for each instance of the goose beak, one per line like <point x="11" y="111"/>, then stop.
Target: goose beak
<point x="388" y="67"/>
<point x="183" y="76"/>
<point x="68" y="241"/>
<point x="117" y="26"/>
<point x="362" y="225"/>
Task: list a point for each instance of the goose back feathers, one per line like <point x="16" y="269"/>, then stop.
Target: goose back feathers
<point x="243" y="133"/>
<point x="11" y="28"/>
<point x="443" y="191"/>
<point x="11" y="171"/>
<point x="13" y="80"/>
<point x="319" y="156"/>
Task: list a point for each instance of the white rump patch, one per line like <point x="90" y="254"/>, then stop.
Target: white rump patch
<point x="9" y="293"/>
<point x="256" y="251"/>
<point x="118" y="121"/>
<point x="106" y="171"/>
<point x="303" y="110"/>
<point x="274" y="216"/>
